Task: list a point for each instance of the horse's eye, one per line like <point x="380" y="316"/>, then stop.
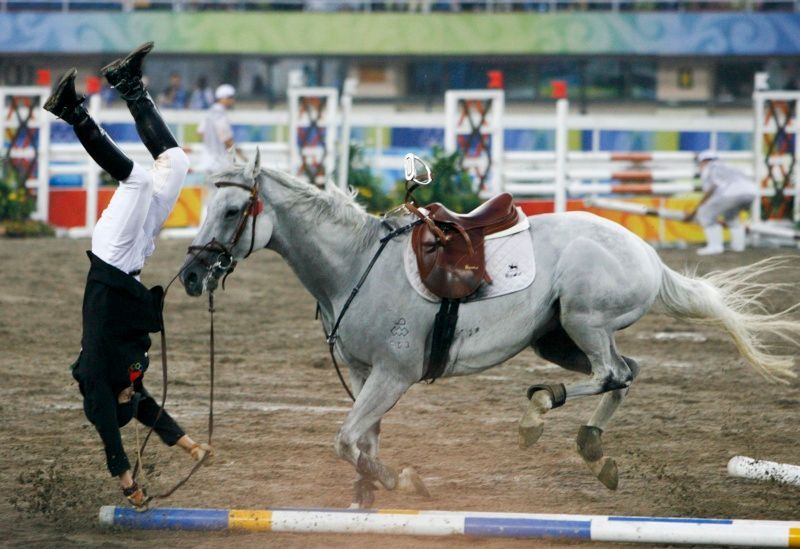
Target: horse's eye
<point x="231" y="213"/>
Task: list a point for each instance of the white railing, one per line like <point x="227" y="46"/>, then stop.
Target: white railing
<point x="524" y="173"/>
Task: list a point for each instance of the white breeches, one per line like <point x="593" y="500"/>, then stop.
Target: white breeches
<point x="124" y="235"/>
<point x="727" y="207"/>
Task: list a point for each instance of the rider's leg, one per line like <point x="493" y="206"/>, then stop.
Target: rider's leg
<point x="169" y="172"/>
<point x="126" y="77"/>
<point x="121" y="223"/>
<point x="66" y="104"/>
<point x="171" y="163"/>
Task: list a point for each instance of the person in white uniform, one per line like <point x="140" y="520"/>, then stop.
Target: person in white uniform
<point x="217" y="131"/>
<point x="119" y="313"/>
<point x="217" y="135"/>
<point x="727" y="192"/>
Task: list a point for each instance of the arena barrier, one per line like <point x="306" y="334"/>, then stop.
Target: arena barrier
<point x="448" y="523"/>
<point x="757" y="469"/>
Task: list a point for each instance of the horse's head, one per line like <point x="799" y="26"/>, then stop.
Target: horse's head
<point x="236" y="223"/>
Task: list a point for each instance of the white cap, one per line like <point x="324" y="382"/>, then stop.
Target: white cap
<point x="707" y="154"/>
<point x="224" y="91"/>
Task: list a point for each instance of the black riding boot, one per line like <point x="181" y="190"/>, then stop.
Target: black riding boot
<point x="126" y="77"/>
<point x="66" y="104"/>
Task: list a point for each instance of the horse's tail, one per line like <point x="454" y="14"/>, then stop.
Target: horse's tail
<point x="731" y="300"/>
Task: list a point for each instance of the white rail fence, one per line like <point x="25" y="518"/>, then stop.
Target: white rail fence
<point x="554" y="174"/>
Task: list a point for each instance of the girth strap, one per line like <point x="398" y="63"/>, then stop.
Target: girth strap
<point x="444" y="331"/>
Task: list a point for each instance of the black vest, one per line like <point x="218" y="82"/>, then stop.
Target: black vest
<point x="118" y="314"/>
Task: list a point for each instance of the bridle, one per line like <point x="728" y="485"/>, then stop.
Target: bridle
<point x="254" y="207"/>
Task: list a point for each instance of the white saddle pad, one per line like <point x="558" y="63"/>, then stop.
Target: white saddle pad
<point x="509" y="262"/>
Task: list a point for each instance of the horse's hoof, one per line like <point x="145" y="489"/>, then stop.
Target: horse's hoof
<point x="410" y="481"/>
<point x="363" y="494"/>
<point x="531" y="428"/>
<point x="606" y="472"/>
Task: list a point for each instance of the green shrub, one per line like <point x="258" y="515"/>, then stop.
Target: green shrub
<point x="451" y="185"/>
<point x="368" y="186"/>
<point x="17" y="203"/>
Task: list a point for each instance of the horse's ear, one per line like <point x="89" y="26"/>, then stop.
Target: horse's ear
<point x="253" y="165"/>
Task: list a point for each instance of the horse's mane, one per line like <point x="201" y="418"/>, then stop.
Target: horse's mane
<point x="331" y="203"/>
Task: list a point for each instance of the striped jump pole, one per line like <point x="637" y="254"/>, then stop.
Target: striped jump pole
<point x="618" y="529"/>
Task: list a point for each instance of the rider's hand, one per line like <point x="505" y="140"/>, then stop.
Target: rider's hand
<point x="199" y="451"/>
<point x="125" y="395"/>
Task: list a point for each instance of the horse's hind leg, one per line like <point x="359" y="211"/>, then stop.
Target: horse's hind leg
<point x="610" y="373"/>
<point x="590" y="446"/>
<point x="555" y="346"/>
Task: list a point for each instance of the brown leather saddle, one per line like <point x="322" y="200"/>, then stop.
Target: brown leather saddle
<point x="449" y="246"/>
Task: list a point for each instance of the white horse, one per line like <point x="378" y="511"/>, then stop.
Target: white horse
<point x="593" y="278"/>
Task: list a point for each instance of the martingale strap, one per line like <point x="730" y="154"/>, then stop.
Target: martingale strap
<point x="333" y="336"/>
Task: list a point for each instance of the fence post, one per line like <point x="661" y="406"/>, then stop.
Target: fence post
<point x="92" y="172"/>
<point x="560" y="196"/>
<point x="348" y="90"/>
<point x="43" y="164"/>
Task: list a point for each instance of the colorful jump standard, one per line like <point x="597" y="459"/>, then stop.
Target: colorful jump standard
<point x="760" y="533"/>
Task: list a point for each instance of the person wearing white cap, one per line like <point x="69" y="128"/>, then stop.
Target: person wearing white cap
<point x="217" y="135"/>
<point x="727" y="192"/>
<point x="217" y="131"/>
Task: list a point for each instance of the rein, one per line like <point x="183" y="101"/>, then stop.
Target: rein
<point x="333" y="336"/>
<point x="140" y="449"/>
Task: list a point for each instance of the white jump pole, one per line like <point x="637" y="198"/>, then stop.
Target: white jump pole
<point x="745" y="467"/>
<point x="619" y="529"/>
<point x="633" y="208"/>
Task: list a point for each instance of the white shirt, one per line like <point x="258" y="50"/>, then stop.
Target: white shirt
<point x="124" y="234"/>
<point x="727" y="181"/>
<point x="216" y="130"/>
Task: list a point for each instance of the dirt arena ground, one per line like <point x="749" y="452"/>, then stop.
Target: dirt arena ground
<point x="279" y="404"/>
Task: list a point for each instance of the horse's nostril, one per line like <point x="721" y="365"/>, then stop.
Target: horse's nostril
<point x="190" y="281"/>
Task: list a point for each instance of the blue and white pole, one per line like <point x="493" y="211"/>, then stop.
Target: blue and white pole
<point x="619" y="529"/>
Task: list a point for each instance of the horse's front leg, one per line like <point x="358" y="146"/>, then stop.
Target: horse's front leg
<point x="379" y="393"/>
<point x="364" y="487"/>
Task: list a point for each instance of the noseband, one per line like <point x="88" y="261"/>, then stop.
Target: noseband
<point x="254" y="206"/>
